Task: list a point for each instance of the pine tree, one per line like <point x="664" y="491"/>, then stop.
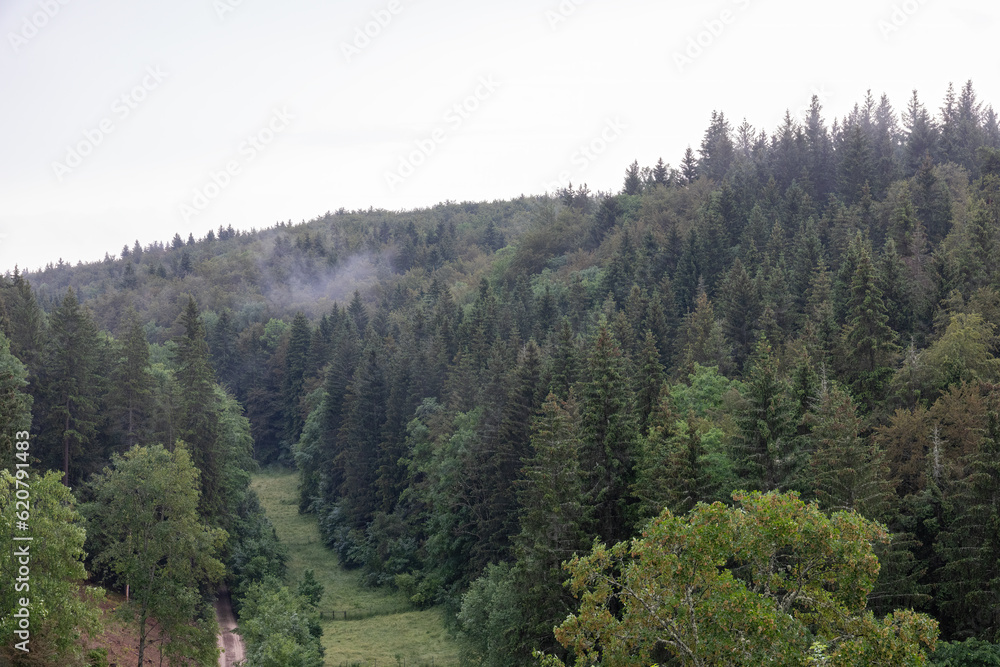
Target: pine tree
<point x="633" y="184"/>
<point x="765" y="447"/>
<point x="892" y="274"/>
<point x="689" y="167"/>
<point x="296" y="358"/>
<point x="868" y="343"/>
<point x="845" y="472"/>
<point x="199" y="421"/>
<point x="15" y="404"/>
<point x="740" y="307"/>
<point x="921" y="142"/>
<point x="225" y="356"/>
<point x="358" y="313"/>
<point x="608" y="432"/>
<point x="970" y="545"/>
<point x="553" y="519"/>
<point x="563" y="362"/>
<point x="856" y="168"/>
<point x="700" y="339"/>
<point x="661" y="173"/>
<point x="131" y="382"/>
<point x="72" y="387"/>
<point x="24" y="325"/>
<point x="717" y="150"/>
<point x="361" y="433"/>
<point x="649" y="381"/>
<point x="932" y="201"/>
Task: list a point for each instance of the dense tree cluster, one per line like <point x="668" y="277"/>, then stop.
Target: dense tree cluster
<point x="474" y="393"/>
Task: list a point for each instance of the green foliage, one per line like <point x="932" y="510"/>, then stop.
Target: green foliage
<point x="15" y="404"/>
<point x="144" y="518"/>
<point x="310" y="589"/>
<point x="61" y="609"/>
<point x="970" y="653"/>
<point x="280" y="628"/>
<point x="761" y="582"/>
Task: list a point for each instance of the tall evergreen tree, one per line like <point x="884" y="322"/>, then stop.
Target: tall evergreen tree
<point x="199" y="421"/>
<point x="970" y="545"/>
<point x="608" y="431"/>
<point x="296" y="358"/>
<point x="869" y="344"/>
<point x="361" y="434"/>
<point x="15" y="404"/>
<point x="766" y="448"/>
<point x="72" y="387"/>
<point x="131" y="382"/>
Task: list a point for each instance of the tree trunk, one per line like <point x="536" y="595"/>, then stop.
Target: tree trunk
<point x="66" y="449"/>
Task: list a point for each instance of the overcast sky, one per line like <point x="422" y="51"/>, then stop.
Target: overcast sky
<point x="131" y="119"/>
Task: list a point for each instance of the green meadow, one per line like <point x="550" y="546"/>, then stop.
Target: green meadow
<point x="388" y="630"/>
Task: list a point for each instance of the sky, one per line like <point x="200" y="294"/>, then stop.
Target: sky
<point x="125" y="120"/>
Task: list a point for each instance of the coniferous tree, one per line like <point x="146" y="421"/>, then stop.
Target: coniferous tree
<point x="608" y="432"/>
<point x="131" y="382"/>
<point x="360" y="434"/>
<point x="970" y="545"/>
<point x="72" y="387"/>
<point x="921" y="129"/>
<point x="225" y="355"/>
<point x="633" y="183"/>
<point x="689" y="167"/>
<point x="553" y="517"/>
<point x="740" y="307"/>
<point x="199" y="419"/>
<point x="869" y="344"/>
<point x="766" y="449"/>
<point x="856" y="168"/>
<point x="717" y="150"/>
<point x="296" y="358"/>
<point x="24" y="324"/>
<point x="15" y="404"/>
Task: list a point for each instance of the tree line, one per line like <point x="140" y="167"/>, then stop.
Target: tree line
<point x="812" y="310"/>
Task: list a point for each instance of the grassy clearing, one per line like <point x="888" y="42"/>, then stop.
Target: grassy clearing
<point x="396" y="634"/>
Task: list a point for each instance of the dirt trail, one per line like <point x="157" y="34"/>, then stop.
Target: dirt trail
<point x="230" y="642"/>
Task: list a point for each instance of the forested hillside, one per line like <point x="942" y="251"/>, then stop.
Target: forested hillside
<point x="475" y="392"/>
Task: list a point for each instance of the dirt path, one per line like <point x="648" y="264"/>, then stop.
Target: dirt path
<point x="230" y="642"/>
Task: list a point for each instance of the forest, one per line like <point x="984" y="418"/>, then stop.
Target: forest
<point x="743" y="409"/>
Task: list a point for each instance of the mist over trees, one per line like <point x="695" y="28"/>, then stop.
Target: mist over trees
<point x="475" y="393"/>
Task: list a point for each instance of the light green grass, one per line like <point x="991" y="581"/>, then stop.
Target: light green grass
<point x="397" y="632"/>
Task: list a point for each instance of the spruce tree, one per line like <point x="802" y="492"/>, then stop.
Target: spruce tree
<point x="553" y="517"/>
<point x="970" y="545"/>
<point x="608" y="432"/>
<point x="72" y="387"/>
<point x="199" y="420"/>
<point x="766" y="447"/>
<point x="296" y="358"/>
<point x="361" y="433"/>
<point x="15" y="404"/>
<point x="131" y="382"/>
<point x="867" y="340"/>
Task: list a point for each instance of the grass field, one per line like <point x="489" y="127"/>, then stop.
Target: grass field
<point x="392" y="632"/>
